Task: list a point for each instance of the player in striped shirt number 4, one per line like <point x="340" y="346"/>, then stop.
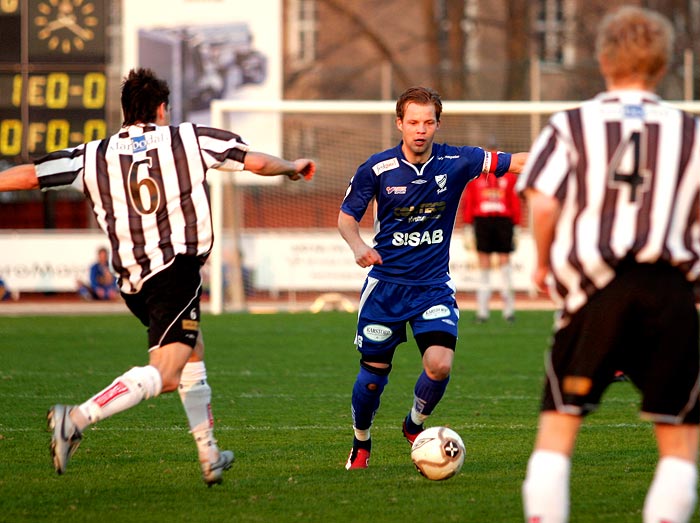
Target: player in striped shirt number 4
<point x="613" y="187"/>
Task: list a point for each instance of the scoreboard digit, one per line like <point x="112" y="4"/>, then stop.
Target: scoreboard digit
<point x="53" y="84"/>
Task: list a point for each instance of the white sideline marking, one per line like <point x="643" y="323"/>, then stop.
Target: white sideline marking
<point x="269" y="428"/>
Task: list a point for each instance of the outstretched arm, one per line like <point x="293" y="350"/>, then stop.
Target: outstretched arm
<point x="19" y="178"/>
<point x="269" y="165"/>
<point x="350" y="231"/>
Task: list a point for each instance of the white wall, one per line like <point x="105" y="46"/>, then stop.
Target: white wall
<point x="38" y="261"/>
<point x="322" y="261"/>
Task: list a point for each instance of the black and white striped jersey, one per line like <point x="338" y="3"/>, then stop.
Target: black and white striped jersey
<point x="148" y="191"/>
<point x="625" y="167"/>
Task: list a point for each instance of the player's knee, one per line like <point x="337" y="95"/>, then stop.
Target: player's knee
<point x="171" y="382"/>
<point x="437" y="349"/>
<point x="438" y="364"/>
<point x="169" y="376"/>
<point x="438" y="370"/>
<point x="170" y="360"/>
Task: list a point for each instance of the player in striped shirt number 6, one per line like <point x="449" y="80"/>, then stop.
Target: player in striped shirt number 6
<point x="148" y="190"/>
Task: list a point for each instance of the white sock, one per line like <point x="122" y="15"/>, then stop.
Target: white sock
<point x="195" y="394"/>
<point x="361" y="435"/>
<point x="546" y="487"/>
<point x="672" y="495"/>
<point x="483" y="294"/>
<point x="417" y="417"/>
<point x="129" y="389"/>
<point x="507" y="290"/>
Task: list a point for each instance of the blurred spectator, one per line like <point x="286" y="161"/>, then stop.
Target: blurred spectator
<point x="6" y="293"/>
<point x="103" y="283"/>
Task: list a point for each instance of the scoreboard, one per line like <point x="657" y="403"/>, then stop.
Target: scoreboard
<point x="53" y="84"/>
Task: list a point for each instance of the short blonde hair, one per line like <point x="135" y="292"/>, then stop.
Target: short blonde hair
<point x="635" y="42"/>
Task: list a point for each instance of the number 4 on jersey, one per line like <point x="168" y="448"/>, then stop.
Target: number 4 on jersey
<point x="629" y="165"/>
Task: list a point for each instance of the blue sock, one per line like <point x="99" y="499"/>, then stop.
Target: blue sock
<point x="411" y="427"/>
<point x="427" y="394"/>
<point x="366" y="394"/>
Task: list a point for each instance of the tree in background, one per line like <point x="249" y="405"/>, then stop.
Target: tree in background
<point x="469" y="49"/>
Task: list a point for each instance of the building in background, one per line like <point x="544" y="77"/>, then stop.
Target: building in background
<point x="467" y="49"/>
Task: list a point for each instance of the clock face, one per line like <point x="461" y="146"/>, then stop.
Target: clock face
<point x="66" y="25"/>
<point x="66" y="29"/>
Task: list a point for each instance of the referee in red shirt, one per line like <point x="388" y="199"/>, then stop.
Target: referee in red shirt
<point x="491" y="212"/>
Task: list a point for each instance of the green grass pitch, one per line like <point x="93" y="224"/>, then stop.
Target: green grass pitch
<point x="281" y="386"/>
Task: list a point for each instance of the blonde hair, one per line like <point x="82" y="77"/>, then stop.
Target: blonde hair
<point x="635" y="42"/>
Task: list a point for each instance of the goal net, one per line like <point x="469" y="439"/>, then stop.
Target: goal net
<point x="280" y="241"/>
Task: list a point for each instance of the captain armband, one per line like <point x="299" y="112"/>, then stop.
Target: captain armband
<point x="490" y="162"/>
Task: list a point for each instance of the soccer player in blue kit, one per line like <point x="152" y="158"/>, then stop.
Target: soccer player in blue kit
<point x="417" y="186"/>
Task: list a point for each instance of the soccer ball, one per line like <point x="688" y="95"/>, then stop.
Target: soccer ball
<point x="438" y="453"/>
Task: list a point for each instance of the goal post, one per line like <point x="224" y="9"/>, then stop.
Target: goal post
<point x="281" y="238"/>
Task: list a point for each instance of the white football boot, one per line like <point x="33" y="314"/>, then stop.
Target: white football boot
<point x="65" y="436"/>
<point x="212" y="471"/>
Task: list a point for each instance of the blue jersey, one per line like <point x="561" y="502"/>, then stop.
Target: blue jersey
<point x="416" y="207"/>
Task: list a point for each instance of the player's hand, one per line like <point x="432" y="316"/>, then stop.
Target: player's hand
<point x="539" y="278"/>
<point x="367" y="256"/>
<point x="305" y="168"/>
<point x="468" y="238"/>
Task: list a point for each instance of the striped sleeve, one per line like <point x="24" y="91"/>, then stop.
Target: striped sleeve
<point x="61" y="169"/>
<point x="549" y="161"/>
<point x="221" y="149"/>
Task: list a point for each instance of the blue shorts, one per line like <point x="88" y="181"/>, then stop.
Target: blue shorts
<point x="386" y="307"/>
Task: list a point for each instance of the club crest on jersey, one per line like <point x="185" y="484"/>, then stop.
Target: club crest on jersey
<point x="441" y="180"/>
<point x="138" y="144"/>
<point x="386" y="165"/>
<point x="396" y="190"/>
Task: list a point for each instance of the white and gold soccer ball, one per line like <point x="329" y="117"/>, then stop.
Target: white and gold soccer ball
<point x="438" y="453"/>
